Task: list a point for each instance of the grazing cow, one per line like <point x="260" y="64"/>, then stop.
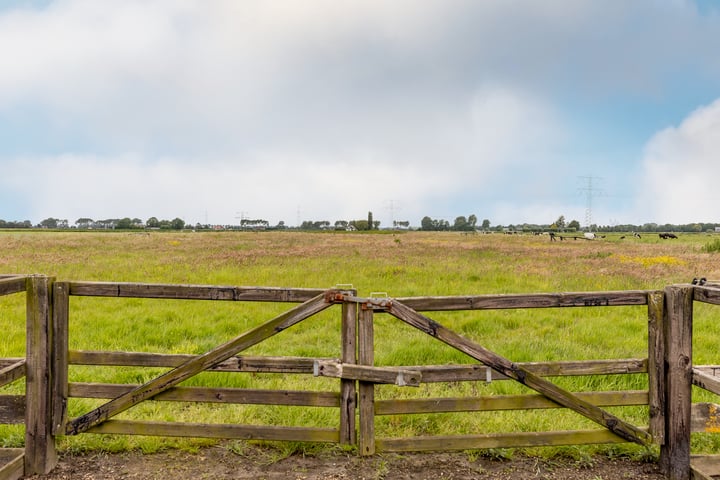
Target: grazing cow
<point x="589" y="235"/>
<point x="665" y="236"/>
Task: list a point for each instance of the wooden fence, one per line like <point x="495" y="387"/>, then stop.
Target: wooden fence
<point x="39" y="452"/>
<point x="668" y="368"/>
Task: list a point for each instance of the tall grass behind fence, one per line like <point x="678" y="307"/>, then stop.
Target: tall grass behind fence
<point x="400" y="265"/>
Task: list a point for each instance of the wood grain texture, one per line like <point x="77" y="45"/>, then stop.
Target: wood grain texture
<point x="498" y="440"/>
<point x="675" y="452"/>
<point x="40" y="453"/>
<point x="212" y="395"/>
<point x="193" y="292"/>
<point x="12" y="372"/>
<point x="10" y="285"/>
<point x="538" y="300"/>
<point x="656" y="366"/>
<point x="207" y="430"/>
<point x="503" y="402"/>
<point x="12" y="409"/>
<point x="11" y="463"/>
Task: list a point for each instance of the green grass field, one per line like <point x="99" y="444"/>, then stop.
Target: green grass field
<point x="399" y="265"/>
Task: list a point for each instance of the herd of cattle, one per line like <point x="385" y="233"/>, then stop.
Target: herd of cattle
<point x="592" y="236"/>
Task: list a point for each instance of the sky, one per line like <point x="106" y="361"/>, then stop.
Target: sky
<point x="515" y="111"/>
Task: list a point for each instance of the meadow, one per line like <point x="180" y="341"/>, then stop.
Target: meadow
<point x="393" y="264"/>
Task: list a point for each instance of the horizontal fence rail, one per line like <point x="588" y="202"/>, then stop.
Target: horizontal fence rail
<point x="515" y="301"/>
<point x="12" y="284"/>
<point x="668" y="369"/>
<point x="192" y="292"/>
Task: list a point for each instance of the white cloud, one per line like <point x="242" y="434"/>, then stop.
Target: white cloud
<point x="75" y="186"/>
<point x="681" y="171"/>
<point x="332" y="106"/>
<point x="185" y="74"/>
<point x="511" y="127"/>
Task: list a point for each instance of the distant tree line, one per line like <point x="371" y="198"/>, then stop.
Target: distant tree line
<point x="344" y="225"/>
<point x="461" y="223"/>
<point x="23" y="224"/>
<point x="126" y="223"/>
<point x="656" y="227"/>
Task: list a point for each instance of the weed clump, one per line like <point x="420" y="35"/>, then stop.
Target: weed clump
<point x="712" y="247"/>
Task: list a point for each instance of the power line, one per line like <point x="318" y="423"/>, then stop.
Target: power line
<point x="590" y="191"/>
<point x="392" y="207"/>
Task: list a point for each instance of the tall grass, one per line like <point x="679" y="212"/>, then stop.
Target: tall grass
<point x="410" y="264"/>
<point x="712" y="246"/>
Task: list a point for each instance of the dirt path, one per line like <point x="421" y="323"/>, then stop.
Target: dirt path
<point x="220" y="463"/>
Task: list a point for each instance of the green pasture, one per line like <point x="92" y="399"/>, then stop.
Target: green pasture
<point x="392" y="264"/>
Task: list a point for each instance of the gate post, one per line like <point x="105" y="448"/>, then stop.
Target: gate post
<point x="675" y="452"/>
<point x="347" y="387"/>
<point x="59" y="372"/>
<point x="366" y="356"/>
<point x="656" y="365"/>
<point x="40" y="453"/>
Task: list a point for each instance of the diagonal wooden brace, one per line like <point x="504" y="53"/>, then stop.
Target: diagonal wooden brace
<point x="12" y="372"/>
<point x="516" y="372"/>
<point x="203" y="362"/>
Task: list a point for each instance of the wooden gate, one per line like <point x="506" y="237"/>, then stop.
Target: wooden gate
<point x="491" y="365"/>
<point x="221" y="358"/>
<point x="355" y="369"/>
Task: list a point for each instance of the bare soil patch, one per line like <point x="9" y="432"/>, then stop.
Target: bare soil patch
<point x="258" y="464"/>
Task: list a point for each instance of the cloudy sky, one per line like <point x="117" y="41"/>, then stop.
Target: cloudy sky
<point x="214" y="110"/>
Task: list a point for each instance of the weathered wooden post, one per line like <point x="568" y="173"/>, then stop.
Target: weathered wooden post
<point x="656" y="365"/>
<point x="675" y="452"/>
<point x="347" y="387"/>
<point x="61" y="314"/>
<point x="40" y="454"/>
<point x="366" y="356"/>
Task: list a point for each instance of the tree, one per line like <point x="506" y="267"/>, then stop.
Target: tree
<point x="84" y="222"/>
<point x="560" y="222"/>
<point x="49" y="223"/>
<point x="486" y="224"/>
<point x="152" y="222"/>
<point x="574" y="224"/>
<point x="430" y="224"/>
<point x="472" y="222"/>
<point x="370" y="221"/>
<point x="124" y="223"/>
<point x="463" y="224"/>
<point x="360" y="225"/>
<point x="460" y="224"/>
<point x="177" y="224"/>
<point x="107" y="224"/>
